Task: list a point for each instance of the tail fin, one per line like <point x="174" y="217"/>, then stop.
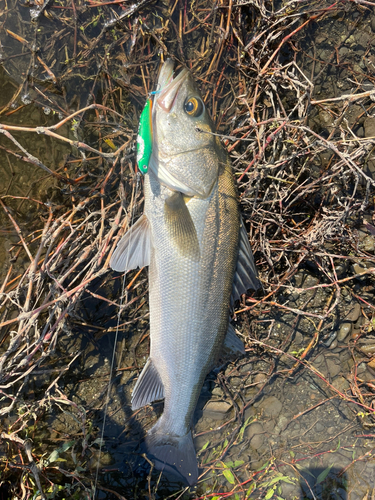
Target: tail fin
<point x="173" y="454"/>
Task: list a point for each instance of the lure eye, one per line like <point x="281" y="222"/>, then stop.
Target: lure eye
<point x="194" y="106"/>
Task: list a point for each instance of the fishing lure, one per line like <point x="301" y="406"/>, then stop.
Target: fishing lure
<point x="144" y="138"/>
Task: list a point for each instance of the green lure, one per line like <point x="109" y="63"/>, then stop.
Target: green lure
<point x="144" y="138"/>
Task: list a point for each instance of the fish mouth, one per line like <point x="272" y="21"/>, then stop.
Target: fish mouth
<point x="169" y="86"/>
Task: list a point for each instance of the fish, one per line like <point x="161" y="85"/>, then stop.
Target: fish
<point x="193" y="240"/>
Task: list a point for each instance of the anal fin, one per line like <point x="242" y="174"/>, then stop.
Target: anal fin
<point x="245" y="276"/>
<point x="148" y="388"/>
<point x="233" y="345"/>
<point x="134" y="247"/>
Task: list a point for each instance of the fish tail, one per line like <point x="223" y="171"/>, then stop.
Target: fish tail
<point x="173" y="454"/>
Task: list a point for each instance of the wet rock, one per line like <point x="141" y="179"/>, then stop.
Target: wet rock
<point x="298" y="339"/>
<point x="218" y="391"/>
<point x="341" y="384"/>
<point x="334" y="344"/>
<point x="249" y="412"/>
<point x="369" y="125"/>
<point x="255" y="433"/>
<point x="246" y="368"/>
<point x="368" y="349"/>
<point x="358" y="268"/>
<point x="343" y="51"/>
<point x="333" y="368"/>
<point x="269" y="426"/>
<point x="281" y="424"/>
<point x="235" y="381"/>
<point x="325" y="118"/>
<point x="368" y="244"/>
<point x="271" y="406"/>
<point x="344" y="331"/>
<point x="360" y="132"/>
<point x="260" y="378"/>
<point x="364" y="373"/>
<point x="289" y="490"/>
<point x="350" y="318"/>
<point x="319" y="360"/>
<point x="354" y="313"/>
<point x="216" y="410"/>
<point x="319" y="427"/>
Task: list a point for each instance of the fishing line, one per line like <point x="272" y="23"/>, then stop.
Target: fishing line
<point x="123" y="291"/>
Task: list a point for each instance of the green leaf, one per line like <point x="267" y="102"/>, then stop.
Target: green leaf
<point x="65" y="446"/>
<point x="242" y="430"/>
<point x="253" y="485"/>
<point x="303" y="469"/>
<point x="53" y="456"/>
<point x="269" y="494"/>
<point x="323" y="475"/>
<point x="204" y="447"/>
<point x="215" y="498"/>
<point x="292" y="454"/>
<point x="229" y="476"/>
<point x="235" y="464"/>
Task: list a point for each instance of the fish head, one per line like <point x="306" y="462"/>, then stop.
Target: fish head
<point x="186" y="155"/>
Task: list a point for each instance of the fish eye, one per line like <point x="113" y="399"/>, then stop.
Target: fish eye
<point x="194" y="106"/>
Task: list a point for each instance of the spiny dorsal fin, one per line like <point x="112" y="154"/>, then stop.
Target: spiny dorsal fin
<point x="133" y="249"/>
<point x="181" y="226"/>
<point x="148" y="388"/>
<point x="246" y="274"/>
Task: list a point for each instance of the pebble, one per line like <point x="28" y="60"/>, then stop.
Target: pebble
<point x="260" y="378"/>
<point x="281" y="424"/>
<point x="291" y="490"/>
<point x="333" y="368"/>
<point x="253" y="429"/>
<point x="344" y="331"/>
<point x="368" y="244"/>
<point x="368" y="349"/>
<point x="255" y="433"/>
<point x="364" y="373"/>
<point x="354" y="313"/>
<point x="217" y="391"/>
<point x="350" y="318"/>
<point x="216" y="410"/>
<point x="360" y="132"/>
<point x="235" y="381"/>
<point x="334" y="344"/>
<point x="341" y="384"/>
<point x="369" y="125"/>
<point x="271" y="406"/>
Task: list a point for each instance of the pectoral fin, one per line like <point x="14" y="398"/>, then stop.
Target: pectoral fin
<point x="246" y="275"/>
<point x="181" y="226"/>
<point x="134" y="248"/>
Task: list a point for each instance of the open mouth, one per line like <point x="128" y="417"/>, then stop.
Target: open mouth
<point x="169" y="86"/>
